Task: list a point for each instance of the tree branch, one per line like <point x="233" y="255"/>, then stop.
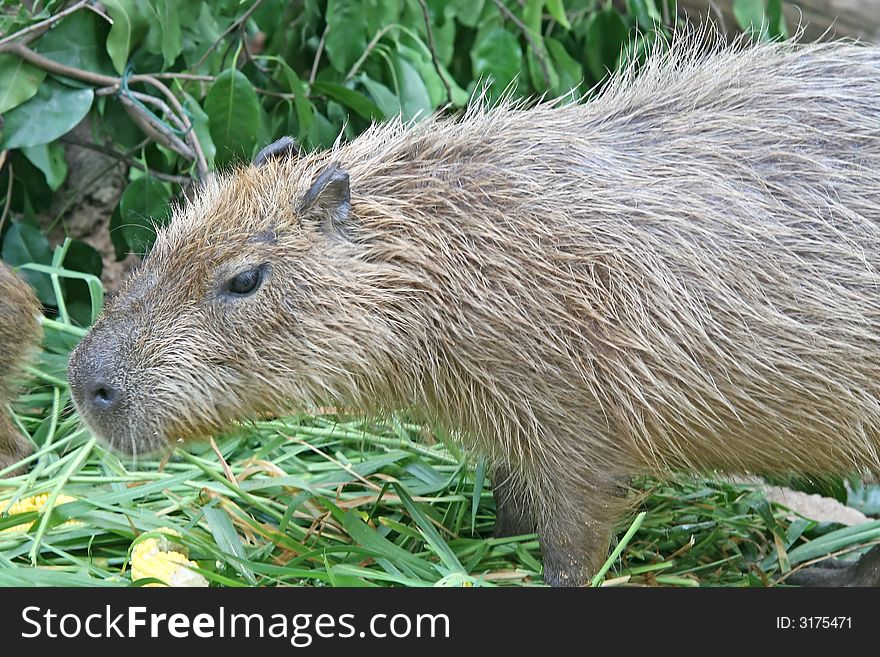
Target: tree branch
<point x="100" y="80"/>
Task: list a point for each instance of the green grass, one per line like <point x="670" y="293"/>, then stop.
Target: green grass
<point x="333" y="501"/>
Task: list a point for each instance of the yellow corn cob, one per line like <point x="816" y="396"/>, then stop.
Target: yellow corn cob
<point x="33" y="503"/>
<point x="157" y="557"/>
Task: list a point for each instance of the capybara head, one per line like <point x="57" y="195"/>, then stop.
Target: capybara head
<point x="247" y="303"/>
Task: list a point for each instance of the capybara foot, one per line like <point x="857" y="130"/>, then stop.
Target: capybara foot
<point x="564" y="567"/>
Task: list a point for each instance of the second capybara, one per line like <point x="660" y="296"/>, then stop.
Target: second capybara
<point x="682" y="273"/>
<point x="19" y="334"/>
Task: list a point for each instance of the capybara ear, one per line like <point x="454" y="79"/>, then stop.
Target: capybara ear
<point x="328" y="199"/>
<point x="284" y="147"/>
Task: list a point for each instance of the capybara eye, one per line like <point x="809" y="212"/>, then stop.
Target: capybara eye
<point x="246" y="282"/>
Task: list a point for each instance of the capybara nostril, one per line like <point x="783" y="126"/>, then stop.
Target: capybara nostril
<point x="104" y="397"/>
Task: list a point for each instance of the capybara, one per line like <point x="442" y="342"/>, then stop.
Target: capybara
<point x="19" y="334"/>
<point x="682" y="273"/>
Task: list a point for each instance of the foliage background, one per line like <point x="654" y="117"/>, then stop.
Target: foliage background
<point x="162" y="93"/>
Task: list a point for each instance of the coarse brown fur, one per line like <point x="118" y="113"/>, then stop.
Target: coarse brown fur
<point x="19" y="334"/>
<point x="681" y="273"/>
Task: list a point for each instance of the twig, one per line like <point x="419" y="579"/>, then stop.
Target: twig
<point x="241" y="20"/>
<point x="191" y="136"/>
<point x="109" y="152"/>
<point x="315" y="63"/>
<point x="539" y="52"/>
<point x="147" y="99"/>
<point x="155" y="128"/>
<point x="184" y="76"/>
<point x="434" y="52"/>
<point x="42" y="26"/>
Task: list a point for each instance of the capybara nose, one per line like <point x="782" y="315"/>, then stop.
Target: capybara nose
<point x="95" y="387"/>
<point x="103" y="397"/>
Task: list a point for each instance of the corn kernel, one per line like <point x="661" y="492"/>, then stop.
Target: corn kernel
<point x="33" y="503"/>
<point x="157" y="558"/>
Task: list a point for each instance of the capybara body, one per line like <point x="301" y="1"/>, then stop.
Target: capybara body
<point x="19" y="334"/>
<point x="680" y="274"/>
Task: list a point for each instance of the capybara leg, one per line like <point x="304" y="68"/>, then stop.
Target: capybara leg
<point x="513" y="513"/>
<point x="13" y="446"/>
<point x="575" y="529"/>
<point x="864" y="572"/>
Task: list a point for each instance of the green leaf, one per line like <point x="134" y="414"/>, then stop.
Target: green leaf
<point x="48" y="158"/>
<point x="381" y="547"/>
<point x="25" y="244"/>
<point x="142" y="207"/>
<point x="497" y="57"/>
<point x="127" y="30"/>
<point x="346" y="37"/>
<point x="164" y="35"/>
<point x="379" y="13"/>
<point x="606" y="33"/>
<point x="52" y="112"/>
<point x="202" y="128"/>
<point x="81" y="296"/>
<point x="322" y="134"/>
<point x="568" y="69"/>
<point x="777" y="27"/>
<point x="430" y="533"/>
<point x="305" y="109"/>
<point x="467" y="11"/>
<point x="764" y="20"/>
<point x="117" y="125"/>
<point x="421" y="61"/>
<point x="19" y="81"/>
<point x="234" y="116"/>
<point x="542" y="72"/>
<point x="532" y="16"/>
<point x="350" y="98"/>
<point x="388" y="101"/>
<point x="229" y="541"/>
<point x="646" y="13"/>
<point x="78" y="41"/>
<point x="557" y="11"/>
<point x="415" y="101"/>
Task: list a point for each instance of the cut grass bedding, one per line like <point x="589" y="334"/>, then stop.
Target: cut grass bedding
<point x="335" y="501"/>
